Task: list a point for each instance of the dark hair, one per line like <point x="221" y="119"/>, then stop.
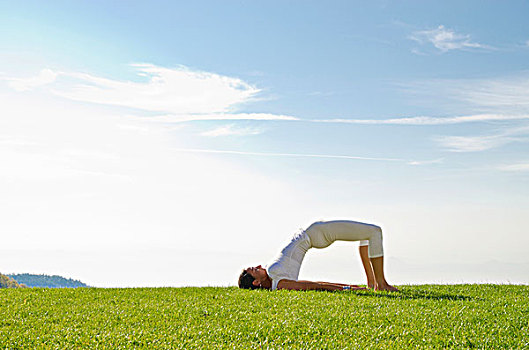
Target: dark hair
<point x="246" y="281"/>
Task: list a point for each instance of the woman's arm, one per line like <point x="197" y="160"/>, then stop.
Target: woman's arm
<point x="310" y="285"/>
<point x="341" y="284"/>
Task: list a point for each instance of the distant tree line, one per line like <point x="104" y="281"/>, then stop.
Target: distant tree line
<point x="8" y="282"/>
<point x="46" y="281"/>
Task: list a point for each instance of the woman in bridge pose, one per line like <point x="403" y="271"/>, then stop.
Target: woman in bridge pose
<point x="283" y="272"/>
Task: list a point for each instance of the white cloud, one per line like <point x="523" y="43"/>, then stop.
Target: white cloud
<point x="168" y="90"/>
<point x="502" y="94"/>
<point x="446" y="39"/>
<point x="482" y="142"/>
<point x="425" y="162"/>
<point x="15" y="141"/>
<point x="425" y="120"/>
<point x="516" y="167"/>
<point x="46" y="76"/>
<point x="231" y="130"/>
<point x="507" y="95"/>
<point x="176" y="94"/>
<point x="174" y="118"/>
<point x="472" y="143"/>
<point x="321" y="93"/>
<point x="299" y="155"/>
<point x="418" y="52"/>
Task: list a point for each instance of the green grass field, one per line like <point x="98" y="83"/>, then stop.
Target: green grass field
<point x="428" y="316"/>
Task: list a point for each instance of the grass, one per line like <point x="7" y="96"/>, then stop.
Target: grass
<point x="428" y="316"/>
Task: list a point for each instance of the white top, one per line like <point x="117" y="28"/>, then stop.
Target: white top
<point x="288" y="262"/>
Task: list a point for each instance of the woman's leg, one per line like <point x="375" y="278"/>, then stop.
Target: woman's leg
<point x="378" y="269"/>
<point x="375" y="253"/>
<point x="371" y="283"/>
<point x="344" y="230"/>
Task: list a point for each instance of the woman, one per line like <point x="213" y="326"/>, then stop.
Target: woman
<point x="284" y="271"/>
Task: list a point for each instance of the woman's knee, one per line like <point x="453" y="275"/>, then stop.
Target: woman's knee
<point x="375" y="243"/>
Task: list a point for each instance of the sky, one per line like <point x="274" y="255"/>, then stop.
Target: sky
<point x="172" y="143"/>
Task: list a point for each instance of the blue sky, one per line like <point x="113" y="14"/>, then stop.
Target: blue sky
<point x="177" y="133"/>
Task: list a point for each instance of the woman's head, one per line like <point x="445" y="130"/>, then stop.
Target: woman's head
<point x="253" y="278"/>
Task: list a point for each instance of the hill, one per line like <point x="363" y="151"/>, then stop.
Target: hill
<point x="47" y="281"/>
<point x="8" y="282"/>
<point x="425" y="316"/>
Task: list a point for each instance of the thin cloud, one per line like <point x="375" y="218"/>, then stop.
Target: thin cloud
<point x="300" y="155"/>
<point x="218" y="116"/>
<point x="321" y="93"/>
<point x="498" y="96"/>
<point x="231" y="130"/>
<point x="504" y="93"/>
<point x="472" y="143"/>
<point x="446" y="39"/>
<point x="305" y="155"/>
<point x="418" y="52"/>
<point x="426" y="162"/>
<point x="16" y="141"/>
<point x="426" y="120"/>
<point x="516" y="167"/>
<point x="483" y="142"/>
<point x="172" y="90"/>
<point x="45" y="77"/>
<point x="175" y="94"/>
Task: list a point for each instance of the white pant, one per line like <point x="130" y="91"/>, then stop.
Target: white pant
<point x="323" y="233"/>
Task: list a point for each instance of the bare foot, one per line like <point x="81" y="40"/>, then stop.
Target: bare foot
<point x="387" y="287"/>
